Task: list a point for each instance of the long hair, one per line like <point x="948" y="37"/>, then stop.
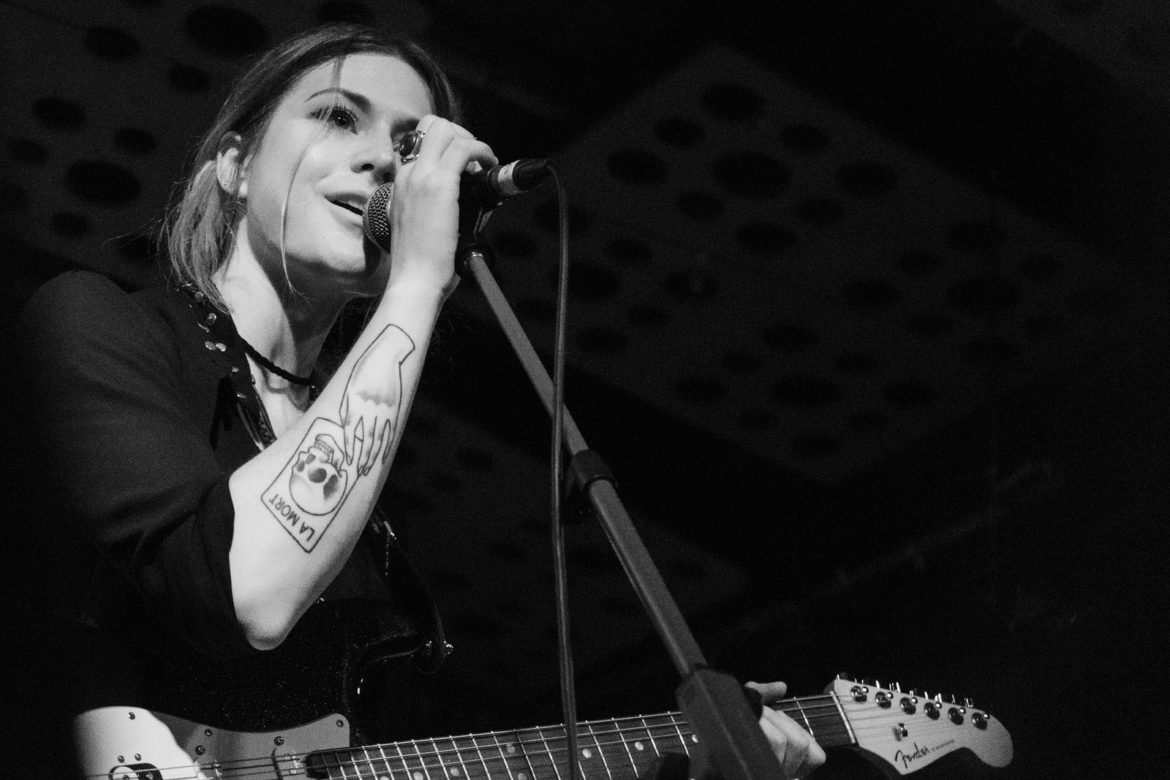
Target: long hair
<point x="198" y="232"/>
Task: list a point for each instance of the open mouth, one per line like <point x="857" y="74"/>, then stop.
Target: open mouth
<point x="348" y="207"/>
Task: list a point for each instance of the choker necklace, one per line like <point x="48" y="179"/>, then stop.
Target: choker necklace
<point x="275" y="369"/>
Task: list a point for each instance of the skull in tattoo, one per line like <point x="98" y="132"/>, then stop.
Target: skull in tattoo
<point x="318" y="481"/>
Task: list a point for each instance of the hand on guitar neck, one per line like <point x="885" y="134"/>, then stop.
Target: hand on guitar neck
<point x="795" y="749"/>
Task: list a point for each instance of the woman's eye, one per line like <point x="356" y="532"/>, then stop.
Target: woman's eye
<point x="339" y="117"/>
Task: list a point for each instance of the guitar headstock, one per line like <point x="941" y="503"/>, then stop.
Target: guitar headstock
<point x="909" y="729"/>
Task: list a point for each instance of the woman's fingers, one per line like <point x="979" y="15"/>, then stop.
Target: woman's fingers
<point x="443" y="146"/>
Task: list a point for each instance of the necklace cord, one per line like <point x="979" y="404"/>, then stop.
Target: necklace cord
<point x="268" y="365"/>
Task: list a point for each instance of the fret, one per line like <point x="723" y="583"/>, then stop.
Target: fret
<point x="804" y="716"/>
<point x="638" y="737"/>
<point x="852" y="738"/>
<point x="624" y="739"/>
<point x="541" y="759"/>
<point x="478" y="757"/>
<point x="649" y="736"/>
<point x="600" y="753"/>
<point x="508" y="754"/>
<point x="833" y="728"/>
<point x="335" y="764"/>
<point x="451" y="759"/>
<point x="387" y="773"/>
<point x="611" y="742"/>
<point x="402" y="759"/>
<point x="415" y="763"/>
<point x="346" y="765"/>
<point x="368" y="762"/>
<point x="437" y="760"/>
<point x="662" y="733"/>
<point x="682" y="739"/>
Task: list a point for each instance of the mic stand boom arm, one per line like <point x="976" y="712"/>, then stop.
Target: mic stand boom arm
<point x="713" y="702"/>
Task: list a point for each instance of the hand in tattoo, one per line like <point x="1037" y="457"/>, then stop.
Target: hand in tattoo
<point x="371" y="403"/>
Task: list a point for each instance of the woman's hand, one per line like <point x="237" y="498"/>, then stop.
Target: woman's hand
<point x="371" y="403"/>
<point x="424" y="212"/>
<point x="796" y="750"/>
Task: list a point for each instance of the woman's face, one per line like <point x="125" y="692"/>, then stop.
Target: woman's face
<point x="327" y="147"/>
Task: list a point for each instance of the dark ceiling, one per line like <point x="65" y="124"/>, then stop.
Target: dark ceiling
<point x="868" y="317"/>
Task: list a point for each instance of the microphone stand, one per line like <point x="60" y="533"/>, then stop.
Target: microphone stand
<point x="713" y="702"/>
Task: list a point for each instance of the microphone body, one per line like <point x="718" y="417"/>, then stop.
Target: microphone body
<point x="480" y="192"/>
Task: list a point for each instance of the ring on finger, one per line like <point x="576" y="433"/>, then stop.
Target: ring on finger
<point x="410" y="145"/>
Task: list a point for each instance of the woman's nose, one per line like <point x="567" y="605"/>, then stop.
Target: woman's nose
<point x="379" y="159"/>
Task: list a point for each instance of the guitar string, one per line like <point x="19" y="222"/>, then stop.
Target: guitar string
<point x="667" y="721"/>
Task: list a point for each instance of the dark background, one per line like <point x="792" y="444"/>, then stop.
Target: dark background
<point x="868" y="317"/>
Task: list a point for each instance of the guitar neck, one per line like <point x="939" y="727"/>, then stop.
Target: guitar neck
<point x="621" y="748"/>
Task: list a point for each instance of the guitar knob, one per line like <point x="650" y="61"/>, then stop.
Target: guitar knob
<point x="932" y="708"/>
<point x="909" y="705"/>
<point x="860" y="692"/>
<point x="956" y="715"/>
<point x="883" y="699"/>
<point x="980" y="720"/>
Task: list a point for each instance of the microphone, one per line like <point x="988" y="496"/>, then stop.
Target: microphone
<point x="482" y="190"/>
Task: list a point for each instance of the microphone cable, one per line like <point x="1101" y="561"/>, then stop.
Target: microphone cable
<point x="558" y="483"/>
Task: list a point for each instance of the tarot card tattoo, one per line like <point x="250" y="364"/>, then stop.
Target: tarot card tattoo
<point x="312" y="487"/>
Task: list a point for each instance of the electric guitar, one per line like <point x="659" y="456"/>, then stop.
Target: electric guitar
<point x="901" y="732"/>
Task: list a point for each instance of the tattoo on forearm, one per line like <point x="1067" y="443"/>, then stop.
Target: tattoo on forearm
<point x="312" y="487"/>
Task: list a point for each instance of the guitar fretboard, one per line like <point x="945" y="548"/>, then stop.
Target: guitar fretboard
<point x="610" y="749"/>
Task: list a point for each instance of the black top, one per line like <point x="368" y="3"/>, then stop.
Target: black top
<point x="142" y="407"/>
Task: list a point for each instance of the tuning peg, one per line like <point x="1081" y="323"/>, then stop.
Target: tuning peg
<point x="968" y="703"/>
<point x="896" y="687"/>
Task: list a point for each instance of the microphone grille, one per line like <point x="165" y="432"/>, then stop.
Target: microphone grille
<point x="376" y="220"/>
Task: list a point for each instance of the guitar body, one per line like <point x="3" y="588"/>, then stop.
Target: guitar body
<point x="130" y="743"/>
